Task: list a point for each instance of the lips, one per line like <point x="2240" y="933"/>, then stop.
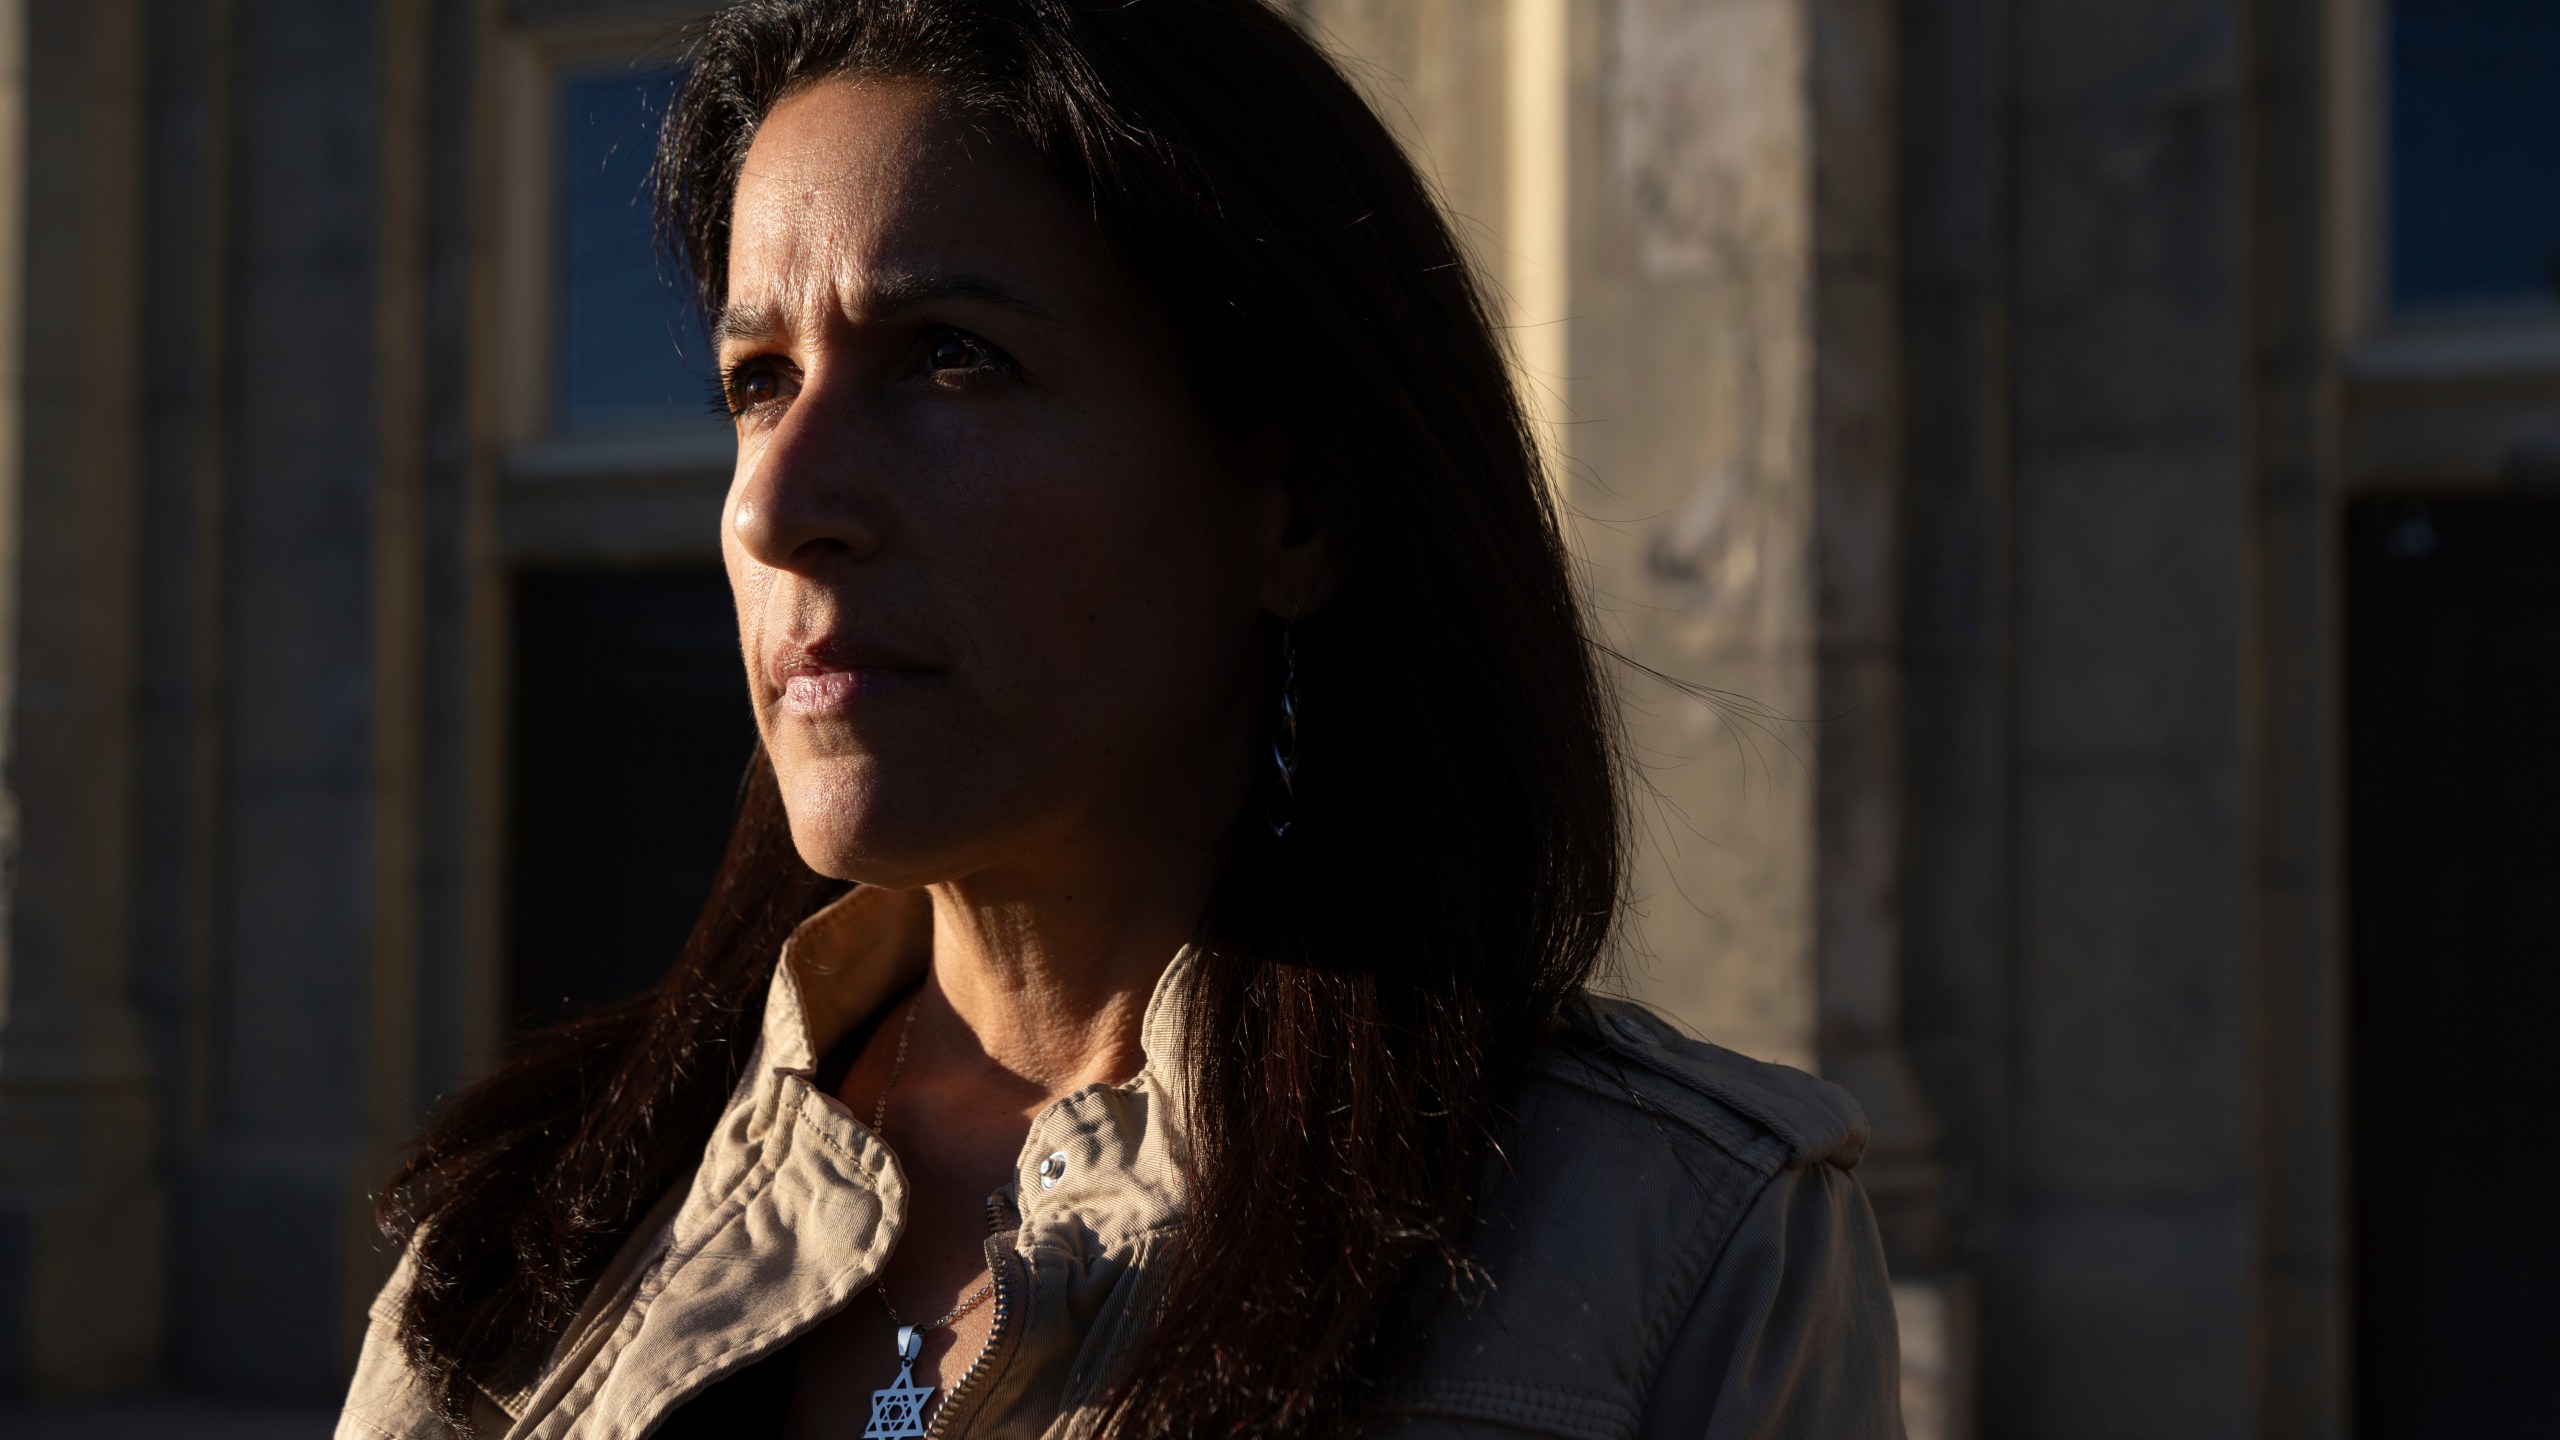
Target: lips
<point x="832" y="676"/>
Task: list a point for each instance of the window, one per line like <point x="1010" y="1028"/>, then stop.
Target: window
<point x="2453" y="675"/>
<point x="631" y="731"/>
<point x="629" y="723"/>
<point x="629" y="347"/>
<point x="2475" y="155"/>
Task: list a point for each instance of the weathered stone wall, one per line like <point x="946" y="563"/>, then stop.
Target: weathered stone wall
<point x="2123" y="1280"/>
<point x="1671" y="359"/>
<point x="82" y="1205"/>
<point x="2121" y="980"/>
<point x="216" y="718"/>
<point x="270" y="1179"/>
<point x="1691" y="445"/>
<point x="1942" y="377"/>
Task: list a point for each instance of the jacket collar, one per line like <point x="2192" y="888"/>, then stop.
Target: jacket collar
<point x="846" y="961"/>
<point x="839" y="967"/>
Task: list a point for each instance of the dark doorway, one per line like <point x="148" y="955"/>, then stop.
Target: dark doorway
<point x="631" y="731"/>
<point x="2453" y="673"/>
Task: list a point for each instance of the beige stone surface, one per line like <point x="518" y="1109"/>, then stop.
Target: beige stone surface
<point x="1673" y="363"/>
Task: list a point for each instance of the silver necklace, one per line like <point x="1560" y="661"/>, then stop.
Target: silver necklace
<point x="897" y="1411"/>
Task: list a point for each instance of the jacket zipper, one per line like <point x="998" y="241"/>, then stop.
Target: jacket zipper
<point x="1000" y="1305"/>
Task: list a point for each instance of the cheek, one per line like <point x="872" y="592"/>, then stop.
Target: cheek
<point x="1104" y="555"/>
<point x="750" y="590"/>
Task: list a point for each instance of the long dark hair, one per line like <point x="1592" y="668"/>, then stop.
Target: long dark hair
<point x="1372" y="982"/>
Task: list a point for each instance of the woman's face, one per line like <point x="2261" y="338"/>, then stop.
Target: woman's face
<point x="997" y="576"/>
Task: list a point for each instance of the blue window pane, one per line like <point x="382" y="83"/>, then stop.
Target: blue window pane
<point x="2475" y="153"/>
<point x="630" y="344"/>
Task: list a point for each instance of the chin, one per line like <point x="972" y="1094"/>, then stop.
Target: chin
<point x="849" y="823"/>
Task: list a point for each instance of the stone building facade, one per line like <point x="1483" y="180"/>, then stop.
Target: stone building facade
<point x="1974" y="398"/>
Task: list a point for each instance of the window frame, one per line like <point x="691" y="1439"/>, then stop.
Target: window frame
<point x="2457" y="400"/>
<point x="565" y="497"/>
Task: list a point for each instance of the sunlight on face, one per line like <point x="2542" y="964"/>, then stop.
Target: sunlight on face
<point x="997" y="576"/>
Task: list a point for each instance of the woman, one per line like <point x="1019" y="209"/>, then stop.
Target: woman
<point x="1152" y="605"/>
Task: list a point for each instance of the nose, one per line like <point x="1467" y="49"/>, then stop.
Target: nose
<point x="803" y="497"/>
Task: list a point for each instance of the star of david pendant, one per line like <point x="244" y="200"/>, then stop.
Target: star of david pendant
<point x="897" y="1411"/>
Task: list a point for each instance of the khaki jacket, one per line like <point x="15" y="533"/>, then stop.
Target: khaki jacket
<point x="1676" y="1246"/>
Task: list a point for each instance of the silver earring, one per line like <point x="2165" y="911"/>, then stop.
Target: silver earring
<point x="1280" y="807"/>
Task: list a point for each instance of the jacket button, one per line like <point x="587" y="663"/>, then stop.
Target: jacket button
<point x="1053" y="1169"/>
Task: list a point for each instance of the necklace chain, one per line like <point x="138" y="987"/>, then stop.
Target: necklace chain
<point x="976" y="1298"/>
<point x="897" y="1063"/>
<point x="879" y="1126"/>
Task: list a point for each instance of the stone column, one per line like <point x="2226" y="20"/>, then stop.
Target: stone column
<point x="82" y="1211"/>
<point x="1688" y="208"/>
<point x="1952" y="938"/>
<point x="1863" y="785"/>
<point x="1689" y="402"/>
<point x="2312" y="103"/>
<point x="311" y="1029"/>
<point x="2121" y="1304"/>
<point x="1631" y="175"/>
<point x="1857" y="481"/>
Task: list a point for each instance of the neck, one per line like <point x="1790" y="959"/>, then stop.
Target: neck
<point x="1051" y="972"/>
<point x="1043" y="963"/>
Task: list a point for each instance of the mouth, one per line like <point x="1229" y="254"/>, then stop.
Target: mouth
<point x="831" y="678"/>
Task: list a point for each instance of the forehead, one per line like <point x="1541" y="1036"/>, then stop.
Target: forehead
<point x="850" y="178"/>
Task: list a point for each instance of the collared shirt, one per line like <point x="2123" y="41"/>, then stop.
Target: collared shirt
<point x="1674" y="1242"/>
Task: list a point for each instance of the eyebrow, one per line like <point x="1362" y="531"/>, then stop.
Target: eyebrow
<point x="890" y="293"/>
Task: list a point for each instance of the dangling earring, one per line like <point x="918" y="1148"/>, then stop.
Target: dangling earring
<point x="1279" y="810"/>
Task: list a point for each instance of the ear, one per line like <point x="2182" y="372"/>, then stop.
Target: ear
<point x="1303" y="555"/>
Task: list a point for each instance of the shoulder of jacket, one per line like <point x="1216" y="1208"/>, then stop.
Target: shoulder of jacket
<point x="1622" y="1054"/>
<point x="1636" y="1158"/>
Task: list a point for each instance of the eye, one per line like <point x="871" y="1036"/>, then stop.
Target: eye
<point x="958" y="351"/>
<point x="750" y="385"/>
